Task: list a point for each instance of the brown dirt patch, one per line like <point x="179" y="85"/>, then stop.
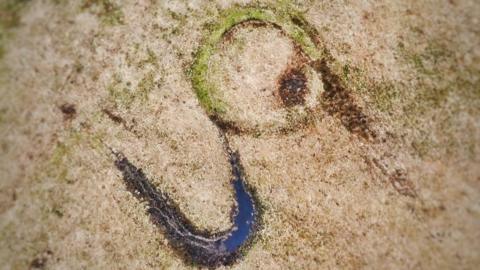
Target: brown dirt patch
<point x="69" y="111"/>
<point x="339" y="102"/>
<point x="293" y="87"/>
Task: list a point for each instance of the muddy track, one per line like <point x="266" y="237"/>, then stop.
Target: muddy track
<point x="198" y="247"/>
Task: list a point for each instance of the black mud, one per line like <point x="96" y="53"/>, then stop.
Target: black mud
<point x="196" y="246"/>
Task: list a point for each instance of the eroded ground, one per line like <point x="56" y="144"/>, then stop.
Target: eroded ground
<point x="79" y="75"/>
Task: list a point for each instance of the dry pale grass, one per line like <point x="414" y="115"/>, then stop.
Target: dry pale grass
<point x="414" y="67"/>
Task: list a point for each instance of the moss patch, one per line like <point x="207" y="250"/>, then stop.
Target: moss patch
<point x="109" y="12"/>
<point x="434" y="87"/>
<point x="145" y="86"/>
<point x="124" y="95"/>
<point x="119" y="93"/>
<point x="151" y="59"/>
<point x="10" y="12"/>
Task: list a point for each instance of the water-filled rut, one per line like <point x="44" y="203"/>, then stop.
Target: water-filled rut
<point x="200" y="247"/>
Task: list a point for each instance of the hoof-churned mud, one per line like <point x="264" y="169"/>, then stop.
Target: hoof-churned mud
<point x="200" y="247"/>
<point x="293" y="88"/>
<point x="339" y="102"/>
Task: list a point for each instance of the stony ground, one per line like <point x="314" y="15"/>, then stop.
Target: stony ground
<point x="77" y="76"/>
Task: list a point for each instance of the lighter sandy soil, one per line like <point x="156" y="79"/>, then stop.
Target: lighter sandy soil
<point x="330" y="203"/>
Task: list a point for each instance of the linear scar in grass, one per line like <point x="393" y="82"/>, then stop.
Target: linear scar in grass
<point x="221" y="248"/>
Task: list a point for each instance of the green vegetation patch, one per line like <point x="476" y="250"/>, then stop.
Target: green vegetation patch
<point x="123" y="94"/>
<point x="438" y="88"/>
<point x="119" y="93"/>
<point x="109" y="12"/>
<point x="291" y="23"/>
<point x="9" y="18"/>
<point x="10" y="12"/>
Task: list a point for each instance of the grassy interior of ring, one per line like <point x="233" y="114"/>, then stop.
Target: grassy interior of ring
<point x="222" y="248"/>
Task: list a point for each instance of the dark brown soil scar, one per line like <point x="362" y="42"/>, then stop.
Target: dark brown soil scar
<point x="293" y="87"/>
<point x="115" y="118"/>
<point x="69" y="111"/>
<point x="119" y="120"/>
<point x="339" y="102"/>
